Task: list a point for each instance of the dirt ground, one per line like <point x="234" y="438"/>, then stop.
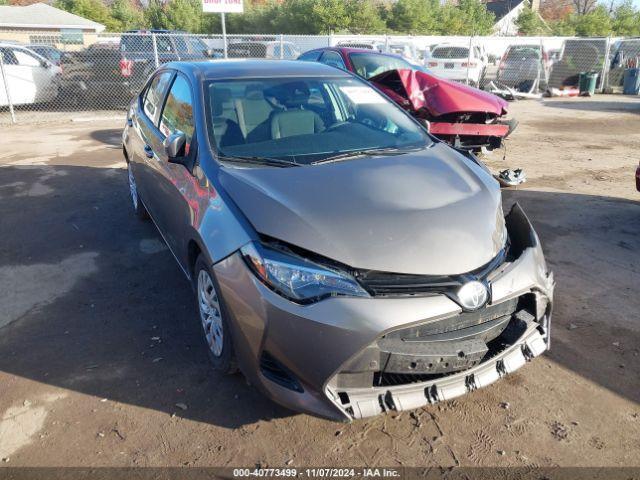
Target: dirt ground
<point x="101" y="363"/>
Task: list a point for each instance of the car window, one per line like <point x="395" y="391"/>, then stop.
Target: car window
<point x="450" y="52"/>
<point x="369" y="65"/>
<point x="177" y="115"/>
<point x="305" y="119"/>
<point x="289" y="52"/>
<point x="195" y="45"/>
<point x="523" y="52"/>
<point x="8" y="56"/>
<point x="163" y="43"/>
<point x="333" y="59"/>
<point x="25" y="59"/>
<point x="131" y="42"/>
<point x="180" y="43"/>
<point x="310" y="56"/>
<point x="155" y="94"/>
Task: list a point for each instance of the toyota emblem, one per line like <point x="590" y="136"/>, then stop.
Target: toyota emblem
<point x="473" y="295"/>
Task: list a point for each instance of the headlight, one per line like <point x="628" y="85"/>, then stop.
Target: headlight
<point x="298" y="279"/>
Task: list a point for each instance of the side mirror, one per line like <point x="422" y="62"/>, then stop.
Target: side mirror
<point x="174" y="145"/>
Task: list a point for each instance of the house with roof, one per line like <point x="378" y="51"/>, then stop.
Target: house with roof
<point x="43" y="24"/>
<point x="506" y="13"/>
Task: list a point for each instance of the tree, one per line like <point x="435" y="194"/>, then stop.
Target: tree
<point x="364" y="17"/>
<point x="582" y="7"/>
<point x="331" y="15"/>
<point x="530" y="23"/>
<point x="553" y="10"/>
<point x="297" y="17"/>
<point x="626" y="20"/>
<point x="126" y="15"/>
<point x="477" y="20"/>
<point x="92" y="9"/>
<point x="414" y="16"/>
<point x="564" y="28"/>
<point x="175" y="15"/>
<point x="596" y="23"/>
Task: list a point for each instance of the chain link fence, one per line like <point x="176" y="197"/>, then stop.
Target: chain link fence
<point x="54" y="77"/>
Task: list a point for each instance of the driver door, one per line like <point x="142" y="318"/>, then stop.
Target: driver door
<point x="174" y="186"/>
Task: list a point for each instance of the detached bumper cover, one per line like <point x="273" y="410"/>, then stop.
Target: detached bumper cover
<point x="470" y="129"/>
<point x="369" y="402"/>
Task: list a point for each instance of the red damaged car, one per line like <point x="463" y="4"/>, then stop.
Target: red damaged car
<point x="463" y="116"/>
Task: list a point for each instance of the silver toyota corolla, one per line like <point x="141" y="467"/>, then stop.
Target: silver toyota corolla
<point x="346" y="261"/>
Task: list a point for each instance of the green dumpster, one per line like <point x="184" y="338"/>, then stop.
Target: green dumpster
<point x="587" y="83"/>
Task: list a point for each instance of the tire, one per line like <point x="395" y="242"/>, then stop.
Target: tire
<point x="138" y="207"/>
<point x="213" y="319"/>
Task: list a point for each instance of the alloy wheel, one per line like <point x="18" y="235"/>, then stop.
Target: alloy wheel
<point x="210" y="313"/>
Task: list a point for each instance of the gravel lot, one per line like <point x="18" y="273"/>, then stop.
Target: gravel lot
<point x="101" y="363"/>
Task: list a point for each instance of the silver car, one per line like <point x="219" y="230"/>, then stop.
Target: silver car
<point x="343" y="259"/>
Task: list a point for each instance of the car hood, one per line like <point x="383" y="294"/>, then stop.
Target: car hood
<point x="415" y="90"/>
<point x="427" y="212"/>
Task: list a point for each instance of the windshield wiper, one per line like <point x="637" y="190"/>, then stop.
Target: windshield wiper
<point x="360" y="153"/>
<point x="274" y="162"/>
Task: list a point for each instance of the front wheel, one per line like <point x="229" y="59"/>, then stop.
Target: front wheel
<point x="213" y="319"/>
<point x="138" y="207"/>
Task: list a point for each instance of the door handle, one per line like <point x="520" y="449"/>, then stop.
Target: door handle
<point x="148" y="151"/>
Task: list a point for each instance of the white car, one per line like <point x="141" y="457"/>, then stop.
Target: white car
<point x="457" y="62"/>
<point x="405" y="49"/>
<point x="29" y="77"/>
<point x="364" y="44"/>
<point x="290" y="51"/>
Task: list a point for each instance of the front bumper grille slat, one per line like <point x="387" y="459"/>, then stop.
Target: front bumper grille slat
<point x="401" y="284"/>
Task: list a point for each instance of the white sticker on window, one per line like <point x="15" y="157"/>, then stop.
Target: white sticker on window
<point x="360" y="95"/>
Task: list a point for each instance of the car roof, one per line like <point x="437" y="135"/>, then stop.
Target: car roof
<point x="249" y="68"/>
<point x="348" y="50"/>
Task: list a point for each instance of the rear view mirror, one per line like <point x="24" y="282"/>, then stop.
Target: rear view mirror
<point x="174" y="145"/>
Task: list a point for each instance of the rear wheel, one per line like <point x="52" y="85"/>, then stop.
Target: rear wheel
<point x="213" y="318"/>
<point x="138" y="206"/>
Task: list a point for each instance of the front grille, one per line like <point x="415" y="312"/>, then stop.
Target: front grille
<point x="459" y="322"/>
<point x="386" y="379"/>
<point x="402" y="284"/>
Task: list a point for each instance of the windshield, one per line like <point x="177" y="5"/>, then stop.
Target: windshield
<point x="305" y="120"/>
<point x="369" y="65"/>
<point x="450" y="52"/>
<point x="524" y="52"/>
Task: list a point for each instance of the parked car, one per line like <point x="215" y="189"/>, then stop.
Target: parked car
<point x="30" y="78"/>
<point x="49" y="52"/>
<point x="343" y="259"/>
<point x="406" y="50"/>
<point x="524" y="67"/>
<point x="638" y="178"/>
<point x="269" y="49"/>
<point x="458" y="63"/>
<point x="461" y="115"/>
<point x="363" y="44"/>
<point x="117" y="71"/>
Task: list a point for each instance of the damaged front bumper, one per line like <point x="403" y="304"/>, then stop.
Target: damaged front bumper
<point x="345" y="358"/>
